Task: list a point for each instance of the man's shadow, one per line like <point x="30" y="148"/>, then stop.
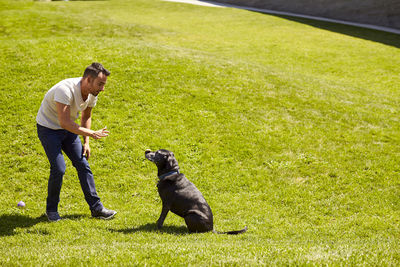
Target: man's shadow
<point x="152" y="227"/>
<point x="9" y="222"/>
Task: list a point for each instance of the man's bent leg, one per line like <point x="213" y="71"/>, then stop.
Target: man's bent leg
<point x="72" y="147"/>
<point x="51" y="141"/>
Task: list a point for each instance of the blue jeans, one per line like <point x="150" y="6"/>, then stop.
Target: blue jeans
<point x="55" y="141"/>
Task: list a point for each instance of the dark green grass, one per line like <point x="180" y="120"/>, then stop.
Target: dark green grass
<point x="285" y="127"/>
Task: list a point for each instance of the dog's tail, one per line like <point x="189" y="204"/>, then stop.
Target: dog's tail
<point x="232" y="232"/>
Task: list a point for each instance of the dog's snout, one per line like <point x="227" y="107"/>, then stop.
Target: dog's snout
<point x="149" y="155"/>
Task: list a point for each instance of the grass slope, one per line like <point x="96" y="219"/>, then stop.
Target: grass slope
<point x="289" y="128"/>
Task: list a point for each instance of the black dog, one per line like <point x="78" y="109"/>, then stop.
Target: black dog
<point x="181" y="196"/>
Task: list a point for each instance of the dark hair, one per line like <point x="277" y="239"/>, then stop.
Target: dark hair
<point x="94" y="69"/>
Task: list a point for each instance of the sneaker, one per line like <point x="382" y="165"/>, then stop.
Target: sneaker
<point x="103" y="214"/>
<point x="53" y="216"/>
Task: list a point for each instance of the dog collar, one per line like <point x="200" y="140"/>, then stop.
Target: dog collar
<point x="168" y="174"/>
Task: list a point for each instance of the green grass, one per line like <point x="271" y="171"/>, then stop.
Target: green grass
<point x="288" y="127"/>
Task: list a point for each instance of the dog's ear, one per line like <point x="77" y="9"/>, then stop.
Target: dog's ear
<point x="172" y="162"/>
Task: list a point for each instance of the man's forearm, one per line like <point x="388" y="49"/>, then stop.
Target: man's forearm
<point x="76" y="129"/>
<point x="86" y="123"/>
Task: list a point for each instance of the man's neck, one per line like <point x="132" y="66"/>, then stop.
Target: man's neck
<point x="84" y="89"/>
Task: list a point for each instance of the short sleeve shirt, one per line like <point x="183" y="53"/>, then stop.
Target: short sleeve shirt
<point x="66" y="92"/>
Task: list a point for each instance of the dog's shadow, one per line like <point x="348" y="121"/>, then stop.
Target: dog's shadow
<point x="152" y="227"/>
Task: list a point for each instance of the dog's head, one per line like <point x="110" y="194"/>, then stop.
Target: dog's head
<point x="164" y="160"/>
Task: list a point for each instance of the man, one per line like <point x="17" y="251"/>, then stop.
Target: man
<point x="58" y="132"/>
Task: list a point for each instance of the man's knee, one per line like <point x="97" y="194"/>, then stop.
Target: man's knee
<point x="58" y="170"/>
<point x="81" y="164"/>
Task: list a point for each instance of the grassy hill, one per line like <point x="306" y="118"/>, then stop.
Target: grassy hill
<point x="290" y="127"/>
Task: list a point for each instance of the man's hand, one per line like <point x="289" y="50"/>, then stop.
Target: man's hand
<point x="100" y="133"/>
<point x="86" y="150"/>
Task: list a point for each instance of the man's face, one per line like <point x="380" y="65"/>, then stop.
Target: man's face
<point x="97" y="84"/>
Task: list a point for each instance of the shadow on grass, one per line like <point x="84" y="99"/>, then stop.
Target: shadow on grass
<point x="10" y="222"/>
<point x="152" y="227"/>
<point x="382" y="37"/>
<point x="387" y="38"/>
<point x="74" y="217"/>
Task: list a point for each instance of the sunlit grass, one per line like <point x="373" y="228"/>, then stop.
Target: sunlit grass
<point x="288" y="128"/>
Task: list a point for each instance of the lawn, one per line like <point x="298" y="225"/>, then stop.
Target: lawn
<point x="288" y="127"/>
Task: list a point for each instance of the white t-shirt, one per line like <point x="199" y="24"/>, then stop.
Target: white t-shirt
<point x="67" y="92"/>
